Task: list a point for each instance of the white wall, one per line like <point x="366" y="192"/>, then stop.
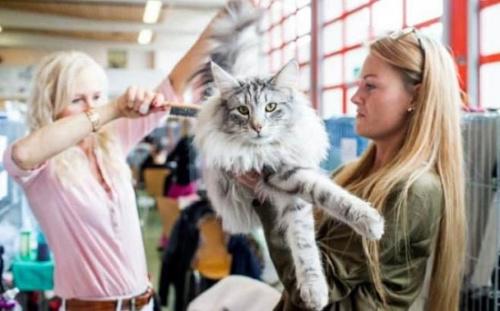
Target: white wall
<point x="145" y="68"/>
<point x="17" y="57"/>
<point x="120" y="79"/>
<point x="166" y="60"/>
<point x="137" y="59"/>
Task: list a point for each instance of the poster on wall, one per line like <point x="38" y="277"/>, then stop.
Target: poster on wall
<point x="117" y="59"/>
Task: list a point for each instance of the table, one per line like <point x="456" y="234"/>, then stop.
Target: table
<point x="30" y="275"/>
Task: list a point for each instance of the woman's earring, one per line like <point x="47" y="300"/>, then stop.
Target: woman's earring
<point x="410" y="109"/>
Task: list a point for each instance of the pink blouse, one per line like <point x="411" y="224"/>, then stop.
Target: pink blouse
<point x="96" y="238"/>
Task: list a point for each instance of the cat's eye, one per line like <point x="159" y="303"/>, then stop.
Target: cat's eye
<point x="243" y="110"/>
<point x="271" y="107"/>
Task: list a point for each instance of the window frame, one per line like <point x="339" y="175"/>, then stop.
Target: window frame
<point x="344" y="86"/>
<point x="455" y="27"/>
<point x="484" y="59"/>
<point x="285" y="43"/>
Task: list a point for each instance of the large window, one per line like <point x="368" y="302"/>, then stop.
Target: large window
<point x="286" y="29"/>
<point x="348" y="25"/>
<point x="489" y="50"/>
<point x="344" y="28"/>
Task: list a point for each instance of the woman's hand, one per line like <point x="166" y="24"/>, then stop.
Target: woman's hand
<point x="137" y="102"/>
<point x="249" y="180"/>
<point x="261" y="206"/>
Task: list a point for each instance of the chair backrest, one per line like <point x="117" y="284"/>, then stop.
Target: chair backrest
<point x="212" y="259"/>
<point x="169" y="212"/>
<point x="154" y="179"/>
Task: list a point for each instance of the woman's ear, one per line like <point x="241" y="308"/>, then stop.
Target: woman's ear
<point x="415" y="92"/>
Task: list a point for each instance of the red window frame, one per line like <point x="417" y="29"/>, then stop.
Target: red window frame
<point x="486" y="58"/>
<point x="345" y="86"/>
<point x="457" y="28"/>
<point x="285" y="43"/>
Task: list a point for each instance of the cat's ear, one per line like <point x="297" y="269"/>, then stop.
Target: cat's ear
<point x="223" y="80"/>
<point x="287" y="76"/>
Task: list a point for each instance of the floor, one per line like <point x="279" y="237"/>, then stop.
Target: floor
<point x="151" y="234"/>
<point x="152" y="227"/>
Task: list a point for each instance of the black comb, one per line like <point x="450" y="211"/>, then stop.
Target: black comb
<point x="184" y="110"/>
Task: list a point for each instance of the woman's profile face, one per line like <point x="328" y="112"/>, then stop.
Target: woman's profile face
<point x="382" y="101"/>
<point x="88" y="93"/>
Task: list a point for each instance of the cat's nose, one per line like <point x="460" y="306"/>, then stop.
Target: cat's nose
<point x="257" y="127"/>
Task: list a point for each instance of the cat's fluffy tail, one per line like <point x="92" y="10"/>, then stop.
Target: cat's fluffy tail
<point x="235" y="43"/>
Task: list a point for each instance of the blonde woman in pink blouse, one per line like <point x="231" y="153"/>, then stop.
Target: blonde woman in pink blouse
<point x="72" y="167"/>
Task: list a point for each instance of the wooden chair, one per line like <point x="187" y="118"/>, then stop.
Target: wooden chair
<point x="169" y="212"/>
<point x="154" y="180"/>
<point x="212" y="259"/>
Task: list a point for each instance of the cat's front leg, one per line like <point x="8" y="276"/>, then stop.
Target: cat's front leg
<point x="315" y="187"/>
<point x="231" y="201"/>
<point x="298" y="223"/>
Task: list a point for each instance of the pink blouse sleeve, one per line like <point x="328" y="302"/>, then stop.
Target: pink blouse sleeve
<point x="131" y="131"/>
<point x="22" y="177"/>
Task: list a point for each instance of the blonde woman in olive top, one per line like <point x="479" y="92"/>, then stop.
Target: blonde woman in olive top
<point x="408" y="104"/>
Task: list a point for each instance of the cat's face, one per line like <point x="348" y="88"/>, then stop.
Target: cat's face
<point x="257" y="110"/>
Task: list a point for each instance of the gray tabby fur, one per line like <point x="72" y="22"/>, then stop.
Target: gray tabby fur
<point x="285" y="146"/>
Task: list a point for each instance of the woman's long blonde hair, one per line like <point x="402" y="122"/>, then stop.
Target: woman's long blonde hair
<point x="53" y="86"/>
<point x="433" y="143"/>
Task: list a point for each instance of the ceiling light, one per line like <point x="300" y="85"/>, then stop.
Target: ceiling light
<point x="152" y="11"/>
<point x="145" y="36"/>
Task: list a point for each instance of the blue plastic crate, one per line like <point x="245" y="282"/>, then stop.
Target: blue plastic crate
<point x="32" y="275"/>
<point x="344" y="142"/>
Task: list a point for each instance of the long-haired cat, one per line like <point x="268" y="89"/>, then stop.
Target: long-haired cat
<point x="265" y="124"/>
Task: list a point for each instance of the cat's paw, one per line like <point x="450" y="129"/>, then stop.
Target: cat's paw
<point x="370" y="223"/>
<point x="314" y="293"/>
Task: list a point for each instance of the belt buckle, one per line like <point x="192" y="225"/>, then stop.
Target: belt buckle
<point x="132" y="304"/>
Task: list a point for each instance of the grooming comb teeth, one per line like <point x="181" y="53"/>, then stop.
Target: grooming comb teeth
<point x="183" y="111"/>
<point x="180" y="109"/>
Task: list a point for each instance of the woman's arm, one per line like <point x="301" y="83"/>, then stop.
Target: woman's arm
<point x="130" y="132"/>
<point x="193" y="60"/>
<point x="41" y="145"/>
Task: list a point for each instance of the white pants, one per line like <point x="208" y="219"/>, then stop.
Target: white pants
<point x="237" y="293"/>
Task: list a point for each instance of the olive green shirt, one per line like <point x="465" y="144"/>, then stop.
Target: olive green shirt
<point x="402" y="268"/>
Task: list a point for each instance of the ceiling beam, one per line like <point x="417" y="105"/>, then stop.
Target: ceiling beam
<point x="179" y="4"/>
<point x="28" y="20"/>
<point x="12" y="40"/>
